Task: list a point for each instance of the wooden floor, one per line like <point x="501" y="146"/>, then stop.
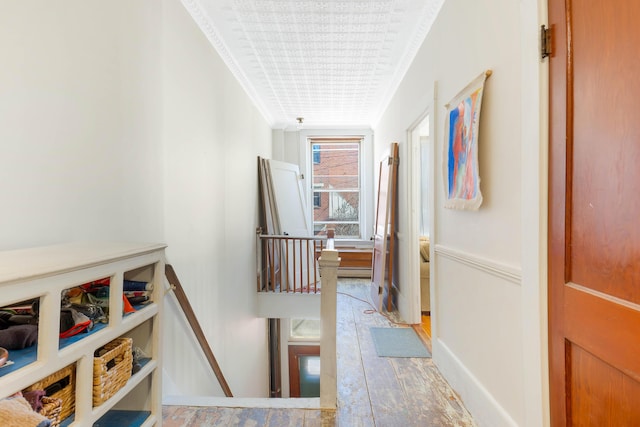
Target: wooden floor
<point x="372" y="390"/>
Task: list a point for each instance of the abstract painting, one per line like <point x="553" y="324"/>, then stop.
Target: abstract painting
<point x="462" y="178"/>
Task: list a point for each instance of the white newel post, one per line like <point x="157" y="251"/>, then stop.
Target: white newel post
<point x="329" y="262"/>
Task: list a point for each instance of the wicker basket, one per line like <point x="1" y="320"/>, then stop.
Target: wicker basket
<point x="111" y="369"/>
<point x="51" y="408"/>
<point x="67" y="394"/>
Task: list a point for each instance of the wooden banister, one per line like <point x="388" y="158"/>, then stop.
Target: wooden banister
<point x="195" y="326"/>
<point x="287" y="263"/>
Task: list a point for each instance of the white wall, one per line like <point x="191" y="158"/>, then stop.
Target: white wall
<point x="488" y="337"/>
<point x="213" y="136"/>
<point x="118" y="121"/>
<point x="79" y="122"/>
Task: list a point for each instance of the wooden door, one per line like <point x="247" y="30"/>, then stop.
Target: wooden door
<point x="594" y="217"/>
<point x="298" y="353"/>
<point x="379" y="240"/>
<point x="384" y="232"/>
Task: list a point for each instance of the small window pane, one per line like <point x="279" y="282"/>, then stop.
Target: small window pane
<point x="305" y="329"/>
<point x="316" y="153"/>
<point x="309" y="368"/>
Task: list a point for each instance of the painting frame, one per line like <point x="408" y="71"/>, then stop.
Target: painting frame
<point x="460" y="154"/>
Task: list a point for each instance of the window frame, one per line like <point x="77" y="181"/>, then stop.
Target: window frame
<point x="367" y="187"/>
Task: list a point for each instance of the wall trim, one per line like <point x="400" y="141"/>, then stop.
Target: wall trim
<point x="243" y="402"/>
<point x="480" y="403"/>
<point x="504" y="271"/>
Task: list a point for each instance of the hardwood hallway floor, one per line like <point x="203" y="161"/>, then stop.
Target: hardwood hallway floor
<point x="372" y="391"/>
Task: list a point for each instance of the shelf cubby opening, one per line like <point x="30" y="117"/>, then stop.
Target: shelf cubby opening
<point x="134" y="410"/>
<point x="137" y="288"/>
<point x="19" y="334"/>
<point x="84" y="310"/>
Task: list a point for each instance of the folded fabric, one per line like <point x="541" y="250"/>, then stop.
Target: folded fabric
<point x="92" y="311"/>
<point x="18" y="337"/>
<point x="136" y="285"/>
<point x="79" y="323"/>
<point x="4" y="319"/>
<point x="17" y="412"/>
<point x="34" y="397"/>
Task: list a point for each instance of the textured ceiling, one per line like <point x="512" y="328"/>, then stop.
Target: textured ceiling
<point x="334" y="62"/>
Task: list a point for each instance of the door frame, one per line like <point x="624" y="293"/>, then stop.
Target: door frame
<point x="411" y="244"/>
<point x="534" y="137"/>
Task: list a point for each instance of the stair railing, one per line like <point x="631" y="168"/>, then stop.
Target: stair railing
<point x="178" y="291"/>
<point x="287" y="263"/>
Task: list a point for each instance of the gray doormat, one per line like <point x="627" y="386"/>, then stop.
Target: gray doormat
<point x="398" y="342"/>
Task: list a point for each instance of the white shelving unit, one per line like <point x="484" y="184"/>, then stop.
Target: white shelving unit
<point x="44" y="273"/>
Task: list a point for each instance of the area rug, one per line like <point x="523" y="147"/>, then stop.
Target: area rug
<point x="398" y="342"/>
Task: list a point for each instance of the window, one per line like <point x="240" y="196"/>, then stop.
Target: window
<point x="336" y="185"/>
<point x="304" y="329"/>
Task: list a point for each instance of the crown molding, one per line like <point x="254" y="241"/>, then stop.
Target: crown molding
<point x="433" y="8"/>
<point x="202" y="20"/>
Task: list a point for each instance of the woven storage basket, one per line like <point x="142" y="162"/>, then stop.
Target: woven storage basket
<point x="111" y="369"/>
<point x="67" y="394"/>
<point x="51" y="408"/>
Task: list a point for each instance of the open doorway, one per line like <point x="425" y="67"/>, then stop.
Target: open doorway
<point x="421" y="175"/>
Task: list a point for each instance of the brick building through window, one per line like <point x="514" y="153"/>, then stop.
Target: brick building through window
<point x="336" y="185"/>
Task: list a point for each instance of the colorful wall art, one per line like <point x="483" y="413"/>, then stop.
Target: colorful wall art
<point x="462" y="178"/>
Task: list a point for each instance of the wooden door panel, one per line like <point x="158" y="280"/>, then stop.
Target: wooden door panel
<point x="605" y="235"/>
<point x="601" y="395"/>
<point x="599" y="324"/>
<point x="594" y="211"/>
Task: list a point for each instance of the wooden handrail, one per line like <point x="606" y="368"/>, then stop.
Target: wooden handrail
<point x="195" y="326"/>
<point x="286" y="236"/>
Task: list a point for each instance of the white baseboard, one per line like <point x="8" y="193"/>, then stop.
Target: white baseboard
<point x="484" y="409"/>
<point x="242" y="402"/>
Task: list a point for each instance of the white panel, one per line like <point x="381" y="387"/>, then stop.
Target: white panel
<point x="291" y="219"/>
<point x="289" y="199"/>
<point x="479" y="321"/>
<point x="288" y="305"/>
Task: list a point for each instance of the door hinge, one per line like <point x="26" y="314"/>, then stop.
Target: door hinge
<point x="545" y="42"/>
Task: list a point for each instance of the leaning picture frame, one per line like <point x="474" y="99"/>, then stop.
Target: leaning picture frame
<point x="461" y="169"/>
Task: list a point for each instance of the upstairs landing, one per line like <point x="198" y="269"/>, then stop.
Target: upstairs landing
<point x="372" y="390"/>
